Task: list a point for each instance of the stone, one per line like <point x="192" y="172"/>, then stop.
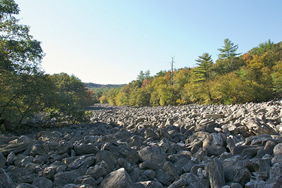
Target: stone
<point x="149" y="133"/>
<point x="216" y="173"/>
<point x="96" y="172"/>
<point x="135" y="174"/>
<point x="163" y="133"/>
<point x="236" y="185"/>
<point x="49" y="136"/>
<point x="83" y="149"/>
<point x="86" y="180"/>
<point x="10" y="158"/>
<point x="117" y="179"/>
<point x="214" y="144"/>
<point x="81" y="161"/>
<point x="175" y="157"/>
<point x="71" y="185"/>
<point x="63" y="178"/>
<point x="180" y="163"/>
<point x="268" y="149"/>
<point x="275" y="174"/>
<point x="2" y="160"/>
<point x="242" y="176"/>
<point x="173" y="146"/>
<point x="170" y="169"/>
<point x="49" y="172"/>
<point x="5" y="180"/>
<point x="123" y="163"/>
<point x="148" y="165"/>
<point x="192" y="180"/>
<point x="14" y="147"/>
<point x="26" y="185"/>
<point x="37" y="149"/>
<point x="148" y="184"/>
<point x="277" y="149"/>
<point x="42" y="182"/>
<point x="135" y="141"/>
<point x="154" y="154"/>
<point x="256" y="128"/>
<point x="108" y="157"/>
<point x="165" y="145"/>
<point x="149" y="174"/>
<point x="187" y="167"/>
<point x="276" y="159"/>
<point x="164" y="178"/>
<point x="178" y="183"/>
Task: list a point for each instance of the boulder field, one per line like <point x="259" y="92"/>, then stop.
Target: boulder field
<point x="190" y="146"/>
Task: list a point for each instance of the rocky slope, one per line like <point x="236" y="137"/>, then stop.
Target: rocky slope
<point x="185" y="146"/>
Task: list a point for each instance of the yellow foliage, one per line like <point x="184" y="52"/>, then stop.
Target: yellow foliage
<point x="103" y="100"/>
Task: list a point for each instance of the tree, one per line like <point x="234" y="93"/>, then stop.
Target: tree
<point x="203" y="71"/>
<point x="228" y="60"/>
<point x="70" y="98"/>
<point x="20" y="58"/>
<point x="277" y="79"/>
<point x="262" y="48"/>
<point x="228" y="50"/>
<point x="25" y="91"/>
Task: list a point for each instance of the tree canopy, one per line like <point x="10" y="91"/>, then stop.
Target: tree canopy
<point x="26" y="92"/>
<point x="252" y="77"/>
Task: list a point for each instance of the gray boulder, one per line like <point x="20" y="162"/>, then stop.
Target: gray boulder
<point x="82" y="161"/>
<point x="2" y="160"/>
<point x="83" y="149"/>
<point x="154" y="154"/>
<point x="117" y="179"/>
<point x="164" y="177"/>
<point x="275" y="174"/>
<point x="63" y="178"/>
<point x="37" y="149"/>
<point x="107" y="157"/>
<point x="88" y="180"/>
<point x="5" y="180"/>
<point x="96" y="171"/>
<point x="26" y="185"/>
<point x="216" y="173"/>
<point x="148" y="184"/>
<point x="192" y="180"/>
<point x="42" y="182"/>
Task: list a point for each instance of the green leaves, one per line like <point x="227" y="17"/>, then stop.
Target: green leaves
<point x="25" y="91"/>
<point x="228" y="50"/>
<point x="248" y="78"/>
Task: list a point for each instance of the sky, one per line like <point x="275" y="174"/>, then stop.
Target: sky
<point x="111" y="41"/>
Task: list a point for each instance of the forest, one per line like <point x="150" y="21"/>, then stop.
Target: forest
<point x="255" y="76"/>
<point x="27" y="94"/>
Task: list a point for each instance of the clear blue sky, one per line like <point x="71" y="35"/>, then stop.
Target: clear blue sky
<point x="111" y="41"/>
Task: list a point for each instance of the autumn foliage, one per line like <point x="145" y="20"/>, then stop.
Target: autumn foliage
<point x="255" y="76"/>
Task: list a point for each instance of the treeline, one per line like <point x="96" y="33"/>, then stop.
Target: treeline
<point x="255" y="76"/>
<point x="26" y="93"/>
<point x="94" y="86"/>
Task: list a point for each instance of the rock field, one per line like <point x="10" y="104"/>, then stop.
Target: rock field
<point x="191" y="146"/>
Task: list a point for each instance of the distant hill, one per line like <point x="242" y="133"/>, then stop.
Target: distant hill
<point x="93" y="85"/>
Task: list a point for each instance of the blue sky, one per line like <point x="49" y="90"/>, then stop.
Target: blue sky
<point x="111" y="41"/>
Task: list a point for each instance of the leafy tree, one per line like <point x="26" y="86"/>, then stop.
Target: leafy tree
<point x="230" y="89"/>
<point x="141" y="77"/>
<point x="262" y="48"/>
<point x="70" y="98"/>
<point x="202" y="72"/>
<point x="20" y="57"/>
<point x="25" y="91"/>
<point x="228" y="60"/>
<point x="277" y="79"/>
<point x="228" y="50"/>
